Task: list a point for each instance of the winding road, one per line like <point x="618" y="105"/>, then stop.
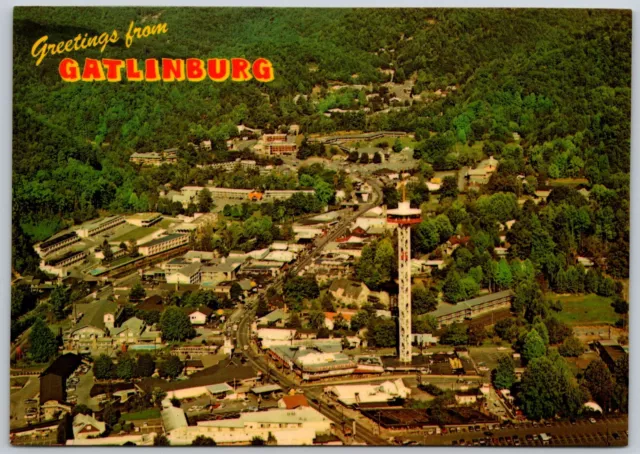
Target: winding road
<point x="247" y="314"/>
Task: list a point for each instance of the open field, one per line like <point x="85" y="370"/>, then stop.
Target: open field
<point x="585" y="309"/>
<point x="568" y="181"/>
<point x="151" y="413"/>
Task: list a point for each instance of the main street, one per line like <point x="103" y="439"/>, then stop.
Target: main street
<point x="243" y="334"/>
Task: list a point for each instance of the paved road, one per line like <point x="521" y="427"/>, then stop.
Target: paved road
<point x="243" y="338"/>
<point x="337" y="231"/>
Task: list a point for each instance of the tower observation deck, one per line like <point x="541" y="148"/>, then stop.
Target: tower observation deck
<point x="404" y="216"/>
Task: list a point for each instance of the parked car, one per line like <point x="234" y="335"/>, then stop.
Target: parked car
<point x="592" y="420"/>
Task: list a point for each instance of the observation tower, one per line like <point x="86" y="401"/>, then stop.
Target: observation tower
<point x="404" y="216"/>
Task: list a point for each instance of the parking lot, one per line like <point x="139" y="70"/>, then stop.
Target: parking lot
<point x="604" y="432"/>
<point x="19" y="401"/>
<point x="488" y="356"/>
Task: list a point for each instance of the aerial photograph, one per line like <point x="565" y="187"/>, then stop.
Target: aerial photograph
<point x="323" y="227"/>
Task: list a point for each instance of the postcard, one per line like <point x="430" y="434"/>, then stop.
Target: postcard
<point x="302" y="226"/>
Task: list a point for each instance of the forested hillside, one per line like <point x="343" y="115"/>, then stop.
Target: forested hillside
<point x="559" y="79"/>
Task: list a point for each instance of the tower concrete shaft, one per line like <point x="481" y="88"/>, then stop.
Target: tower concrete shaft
<point x="404" y="295"/>
<point x="404" y="217"/>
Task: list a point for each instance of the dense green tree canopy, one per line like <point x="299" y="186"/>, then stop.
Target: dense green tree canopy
<point x="42" y="342"/>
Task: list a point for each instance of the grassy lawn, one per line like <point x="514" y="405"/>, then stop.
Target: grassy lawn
<point x="151" y="413"/>
<point x="586" y="309"/>
<point x="164" y="224"/>
<point x="568" y="181"/>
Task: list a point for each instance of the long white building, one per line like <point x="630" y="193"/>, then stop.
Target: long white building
<point x="289" y="427"/>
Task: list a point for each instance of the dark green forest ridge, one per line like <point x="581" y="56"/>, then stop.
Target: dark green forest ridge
<point x="559" y="78"/>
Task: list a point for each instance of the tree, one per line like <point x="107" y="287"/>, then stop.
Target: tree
<point x="449" y="188"/>
<point x="103" y="367"/>
<point x="158" y="395"/>
<point x="417" y="193"/>
<point x="506" y="329"/>
<point x="390" y="197"/>
<point x="477" y="334"/>
<point x="294" y="321"/>
<point x="451" y="289"/>
<point x="59" y="300"/>
<point x="592" y="281"/>
<point x="263" y="308"/>
<point x="620" y="306"/>
<point x="364" y="158"/>
<point x="299" y="288"/>
<point x="137" y="292"/>
<point x="201" y="440"/>
<point x="529" y="300"/>
<point x="533" y="346"/>
<point x="145" y="366"/>
<point x="422" y="325"/>
<point x="22" y="300"/>
<point x="42" y="343"/>
<point x="597" y="379"/>
<point x="171" y="367"/>
<point x="558" y="331"/>
<point x="205" y="201"/>
<point x="339" y="323"/>
<point x="132" y="248"/>
<point x="422" y="300"/>
<point x="353" y="156"/>
<point x="397" y="146"/>
<point x="161" y="440"/>
<point x="235" y="293"/>
<point x="621" y="390"/>
<point x="455" y="334"/>
<point x="378" y="264"/>
<point x="110" y="415"/>
<point x="359" y="320"/>
<point x="81" y="409"/>
<point x="106" y="251"/>
<point x="425" y="237"/>
<point x="504" y="375"/>
<point x="175" y="325"/>
<point x="324" y="333"/>
<point x="377" y="158"/>
<point x="175" y="402"/>
<point x="257" y="441"/>
<point x="571" y="347"/>
<point x="381" y="332"/>
<point x="326" y="302"/>
<point x="316" y="319"/>
<point x="503" y="277"/>
<point x="548" y="389"/>
<point x="126" y="367"/>
<point x="541" y="328"/>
